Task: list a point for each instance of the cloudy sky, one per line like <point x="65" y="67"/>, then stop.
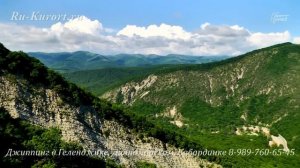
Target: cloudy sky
<point x="191" y="27"/>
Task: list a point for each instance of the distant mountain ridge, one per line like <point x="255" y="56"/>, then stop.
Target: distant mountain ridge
<point x="83" y="60"/>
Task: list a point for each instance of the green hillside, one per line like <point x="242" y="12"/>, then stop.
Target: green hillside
<point x="227" y="104"/>
<point x="28" y="75"/>
<point x="20" y="135"/>
<point x="101" y="80"/>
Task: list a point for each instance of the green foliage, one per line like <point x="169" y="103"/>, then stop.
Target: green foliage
<point x="210" y="118"/>
<point x="145" y="165"/>
<point x="260" y="108"/>
<point x="20" y="135"/>
<point x="3" y="51"/>
<point x="283" y="61"/>
<point x="48" y="140"/>
<point x="119" y="98"/>
<point x="106" y="133"/>
<point x="18" y="63"/>
<point x="101" y="80"/>
<point x="44" y="164"/>
<point x="145" y="108"/>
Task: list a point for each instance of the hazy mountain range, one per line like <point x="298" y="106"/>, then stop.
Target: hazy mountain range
<point x="82" y="60"/>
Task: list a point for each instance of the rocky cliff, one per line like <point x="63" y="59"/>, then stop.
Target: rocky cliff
<point x="82" y="124"/>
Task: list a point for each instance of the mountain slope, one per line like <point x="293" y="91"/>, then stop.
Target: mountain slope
<point x="81" y="60"/>
<point x="99" y="81"/>
<point x="250" y="101"/>
<point x="17" y="134"/>
<point x="31" y="92"/>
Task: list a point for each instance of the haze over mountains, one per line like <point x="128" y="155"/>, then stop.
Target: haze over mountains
<point x="82" y="60"/>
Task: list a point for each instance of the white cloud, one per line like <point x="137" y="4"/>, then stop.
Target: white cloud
<point x="237" y="27"/>
<point x="204" y="25"/>
<point x="164" y="30"/>
<point x="81" y="25"/>
<point x="296" y="40"/>
<point x="267" y="39"/>
<point x="86" y="34"/>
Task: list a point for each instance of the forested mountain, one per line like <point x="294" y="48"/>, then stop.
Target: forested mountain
<point x="41" y="114"/>
<point x="247" y="102"/>
<point x="99" y="81"/>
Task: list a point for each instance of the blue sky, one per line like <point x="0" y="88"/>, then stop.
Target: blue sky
<point x="253" y="15"/>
